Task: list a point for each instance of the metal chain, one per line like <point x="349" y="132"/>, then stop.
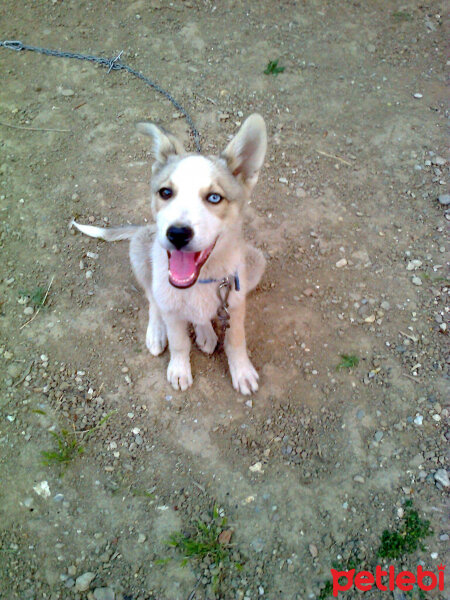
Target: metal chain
<point x="113" y="64"/>
<point x="223" y="314"/>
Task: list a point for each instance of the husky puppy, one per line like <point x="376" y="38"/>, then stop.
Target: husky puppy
<point x="196" y="243"/>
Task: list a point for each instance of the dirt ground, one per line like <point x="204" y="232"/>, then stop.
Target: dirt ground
<point x="347" y="212"/>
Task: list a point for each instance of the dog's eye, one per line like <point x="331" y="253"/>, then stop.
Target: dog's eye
<point x="165" y="193"/>
<point x="214" y="198"/>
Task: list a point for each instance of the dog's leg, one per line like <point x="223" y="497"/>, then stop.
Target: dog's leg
<point x="206" y="338"/>
<point x="156" y="338"/>
<point x="243" y="374"/>
<point x="179" y="369"/>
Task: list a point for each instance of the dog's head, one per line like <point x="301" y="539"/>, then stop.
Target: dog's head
<point x="196" y="199"/>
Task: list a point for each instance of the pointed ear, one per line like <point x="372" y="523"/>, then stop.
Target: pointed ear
<point x="245" y="153"/>
<point x="164" y="143"/>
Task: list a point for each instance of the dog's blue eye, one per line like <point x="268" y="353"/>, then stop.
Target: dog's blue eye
<point x="165" y="193"/>
<point x="214" y="198"/>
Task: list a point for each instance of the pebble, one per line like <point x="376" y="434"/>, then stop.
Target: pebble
<point x="104" y="594"/>
<point x="313" y="550"/>
<point x="444" y="199"/>
<point x="439" y="161"/>
<point x="89" y="274"/>
<point x="67" y="92"/>
<point x="378" y="436"/>
<point x="72" y="570"/>
<point x="29" y="310"/>
<point x="94" y="256"/>
<point x="441" y="476"/>
<point x="341" y="263"/>
<point x="283" y="180"/>
<point x="444" y="537"/>
<point x="42" y="489"/>
<point x="141" y="538"/>
<point x="418" y="420"/>
<point x="417" y="95"/>
<point x="83" y="582"/>
<point x="359" y="479"/>
<point x="416" y="280"/>
<point x="360" y="414"/>
<point x="413" y="265"/>
<point x="385" y="305"/>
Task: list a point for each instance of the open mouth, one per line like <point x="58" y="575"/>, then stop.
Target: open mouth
<point x="184" y="267"/>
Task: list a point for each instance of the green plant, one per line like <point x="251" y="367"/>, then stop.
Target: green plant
<point x="401" y="15"/>
<point x="407" y="538"/>
<point x="67" y="448"/>
<point x="210" y="540"/>
<point x="348" y="362"/>
<point x="273" y="68"/>
<point x="37" y="296"/>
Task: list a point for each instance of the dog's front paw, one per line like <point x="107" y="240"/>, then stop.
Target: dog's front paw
<point x="244" y="376"/>
<point x="206" y="338"/>
<point x="179" y="373"/>
<point x="156" y="338"/>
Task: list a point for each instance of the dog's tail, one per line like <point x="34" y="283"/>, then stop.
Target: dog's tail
<point x="111" y="234"/>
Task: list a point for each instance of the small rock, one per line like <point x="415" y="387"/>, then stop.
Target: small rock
<point x="67" y="92"/>
<point x="72" y="570"/>
<point x="256" y="468"/>
<point x="89" y="274"/>
<point x="417" y="95"/>
<point x="341" y="263"/>
<point x="416" y="280"/>
<point x="83" y="582"/>
<point x="29" y="310"/>
<point x="42" y="489"/>
<point x="141" y="538"/>
<point x="104" y="594"/>
<point x="441" y="476"/>
<point x="69" y="582"/>
<point x="444" y="199"/>
<point x="413" y="265"/>
<point x="283" y="180"/>
<point x="439" y="161"/>
<point x="359" y="479"/>
<point x="385" y="305"/>
<point x="308" y="292"/>
<point x="369" y="319"/>
<point x="313" y="550"/>
<point x="378" y="436"/>
<point x="418" y="420"/>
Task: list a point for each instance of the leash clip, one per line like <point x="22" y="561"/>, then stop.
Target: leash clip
<point x="12" y="45"/>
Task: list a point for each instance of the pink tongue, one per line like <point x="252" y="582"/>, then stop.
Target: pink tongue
<point x="182" y="264"/>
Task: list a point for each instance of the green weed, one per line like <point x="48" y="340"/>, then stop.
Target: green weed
<point x="394" y="544"/>
<point x="401" y="15"/>
<point x="67" y="448"/>
<point x="210" y="540"/>
<point x="37" y="296"/>
<point x="348" y="362"/>
<point x="273" y="68"/>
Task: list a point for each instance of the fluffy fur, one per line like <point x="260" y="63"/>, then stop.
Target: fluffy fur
<point x="194" y="181"/>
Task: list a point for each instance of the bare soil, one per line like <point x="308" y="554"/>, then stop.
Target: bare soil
<point x="355" y="167"/>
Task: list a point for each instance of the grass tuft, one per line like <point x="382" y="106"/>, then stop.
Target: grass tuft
<point x="273" y="68"/>
<point x="37" y="296"/>
<point x="407" y="539"/>
<point x="348" y="362"/>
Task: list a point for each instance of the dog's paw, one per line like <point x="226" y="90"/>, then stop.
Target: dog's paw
<point x="244" y="376"/>
<point x="156" y="338"/>
<point x="206" y="338"/>
<point x="179" y="373"/>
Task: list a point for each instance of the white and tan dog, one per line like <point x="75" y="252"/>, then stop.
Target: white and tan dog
<point x="198" y="204"/>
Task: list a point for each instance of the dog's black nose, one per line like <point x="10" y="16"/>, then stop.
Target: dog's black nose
<point x="179" y="236"/>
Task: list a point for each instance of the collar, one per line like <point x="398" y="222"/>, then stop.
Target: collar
<point x="235" y="277"/>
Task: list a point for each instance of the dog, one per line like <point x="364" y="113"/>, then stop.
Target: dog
<point x="195" y="245"/>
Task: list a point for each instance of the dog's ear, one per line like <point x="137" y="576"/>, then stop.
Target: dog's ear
<point x="245" y="153"/>
<point x="164" y="143"/>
